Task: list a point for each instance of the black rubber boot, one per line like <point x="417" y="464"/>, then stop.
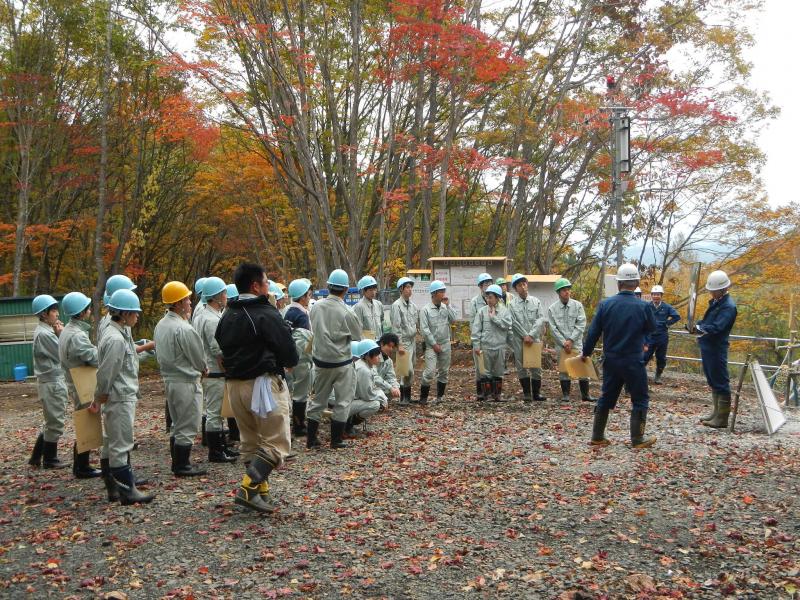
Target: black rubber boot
<point x="638" y="425"/>
<point x="252" y="493"/>
<point x="480" y="392"/>
<point x="599" y="427"/>
<point x="183" y="466"/>
<point x="488" y="388"/>
<point x="38" y="448"/>
<point x="111" y="485"/>
<point x="565" y="388"/>
<point x="167" y="417"/>
<point x="424" y="390"/>
<point x="337" y="432"/>
<point x="81" y="468"/>
<point x="312" y="427"/>
<point x="50" y="456"/>
<point x="440" y="389"/>
<point x="657" y="378"/>
<point x="216" y="448"/>
<point x="585" y="395"/>
<point x="497" y="389"/>
<point x="298" y="419"/>
<point x="128" y="494"/>
<point x="203" y="434"/>
<point x="525" y="383"/>
<point x="536" y="385"/>
<point x="350" y="432"/>
<point x="139" y="481"/>
<point x="233" y="430"/>
<point x="720" y="420"/>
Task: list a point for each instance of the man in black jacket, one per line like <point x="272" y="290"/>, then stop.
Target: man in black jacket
<point x="257" y="346"/>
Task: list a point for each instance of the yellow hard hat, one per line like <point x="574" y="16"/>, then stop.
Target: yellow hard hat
<point x="174" y="291"/>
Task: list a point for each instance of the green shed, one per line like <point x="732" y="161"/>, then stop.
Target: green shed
<point x="16" y="334"/>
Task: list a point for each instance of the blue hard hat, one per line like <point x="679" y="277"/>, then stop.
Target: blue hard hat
<point x="198" y="285"/>
<point x="126" y="300"/>
<point x="298" y="287"/>
<point x="233" y="292"/>
<point x="365" y="346"/>
<point x="436" y="285"/>
<point x="117" y="282"/>
<point x="339" y="278"/>
<point x="74" y="303"/>
<point x="367" y="281"/>
<point x="213" y="286"/>
<point x="275" y="290"/>
<point x="484" y="277"/>
<point x="354" y="349"/>
<point x="495" y="289"/>
<point x="42" y="303"/>
<point x="516" y="278"/>
<point x="404" y="280"/>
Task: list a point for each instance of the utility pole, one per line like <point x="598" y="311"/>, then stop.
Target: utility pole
<point x="620" y="161"/>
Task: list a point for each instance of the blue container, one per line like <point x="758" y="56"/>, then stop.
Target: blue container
<point x="20" y="372"/>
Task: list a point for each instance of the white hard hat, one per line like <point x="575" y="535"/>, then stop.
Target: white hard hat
<point x="717" y="280"/>
<point x="657" y="289"/>
<point x="638" y="290"/>
<point x="628" y="272"/>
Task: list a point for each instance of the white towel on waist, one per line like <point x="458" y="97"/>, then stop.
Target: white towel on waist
<point x="262" y="403"/>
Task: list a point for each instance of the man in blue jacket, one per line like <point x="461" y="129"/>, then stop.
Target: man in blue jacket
<point x="715" y="329"/>
<point x="666" y="317"/>
<point x="624" y="322"/>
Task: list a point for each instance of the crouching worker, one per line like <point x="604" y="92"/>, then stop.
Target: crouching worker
<point x="368" y="399"/>
<point x="490" y="327"/>
<point x="117" y="392"/>
<point x="257" y="346"/>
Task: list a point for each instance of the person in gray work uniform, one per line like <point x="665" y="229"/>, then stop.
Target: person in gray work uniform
<point x="75" y="349"/>
<point x="334" y="326"/>
<point x="369" y="310"/>
<point x="434" y="324"/>
<point x="477" y="302"/>
<point x="50" y="382"/>
<point x="405" y="319"/>
<point x="182" y="363"/>
<point x="116" y="393"/>
<point x="527" y="323"/>
<point x="205" y="324"/>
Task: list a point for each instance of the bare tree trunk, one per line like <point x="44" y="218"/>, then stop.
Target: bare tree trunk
<point x="24" y="181"/>
<point x="102" y="174"/>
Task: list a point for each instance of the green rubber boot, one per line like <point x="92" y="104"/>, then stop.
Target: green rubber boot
<point x="715" y="400"/>
<point x="720" y="420"/>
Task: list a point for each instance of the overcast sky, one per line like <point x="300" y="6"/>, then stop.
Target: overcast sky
<point x="775" y="70"/>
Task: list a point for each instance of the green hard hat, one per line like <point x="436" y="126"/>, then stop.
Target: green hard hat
<point x="561" y="283"/>
<point x="500" y="281"/>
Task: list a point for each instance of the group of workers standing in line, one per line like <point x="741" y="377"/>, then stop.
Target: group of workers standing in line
<point x="283" y="366"/>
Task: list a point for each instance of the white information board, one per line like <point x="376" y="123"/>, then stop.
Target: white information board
<point x="466" y="275"/>
<point x="442" y="274"/>
<point x="770" y="409"/>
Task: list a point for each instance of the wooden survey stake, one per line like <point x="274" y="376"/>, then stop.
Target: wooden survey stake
<point x="88" y="430"/>
<point x="532" y="355"/>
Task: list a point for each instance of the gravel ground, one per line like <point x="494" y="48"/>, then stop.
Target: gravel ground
<point x="503" y="500"/>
